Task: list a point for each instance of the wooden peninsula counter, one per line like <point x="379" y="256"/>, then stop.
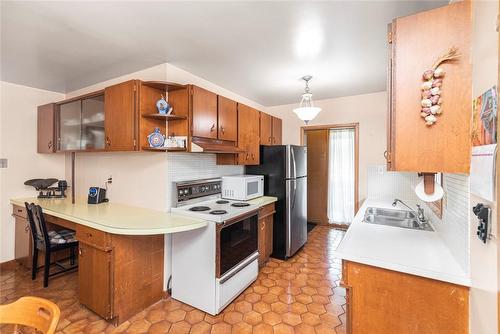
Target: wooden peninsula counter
<point x="121" y="251"/>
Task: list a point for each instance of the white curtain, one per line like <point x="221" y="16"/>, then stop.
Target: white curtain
<point x="341" y="176"/>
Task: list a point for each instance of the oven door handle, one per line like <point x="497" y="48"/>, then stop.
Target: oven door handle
<point x="242" y="265"/>
<point x="240" y="218"/>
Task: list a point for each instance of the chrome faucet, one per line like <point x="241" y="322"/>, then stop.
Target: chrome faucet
<point x="420" y="212"/>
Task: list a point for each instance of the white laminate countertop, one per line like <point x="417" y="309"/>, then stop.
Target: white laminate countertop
<point x="115" y="218"/>
<point x="416" y="252"/>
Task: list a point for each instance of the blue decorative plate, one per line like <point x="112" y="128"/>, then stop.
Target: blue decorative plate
<point x="156" y="139"/>
<point x="162" y="106"/>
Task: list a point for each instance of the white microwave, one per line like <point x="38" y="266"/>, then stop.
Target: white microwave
<point x="242" y="187"/>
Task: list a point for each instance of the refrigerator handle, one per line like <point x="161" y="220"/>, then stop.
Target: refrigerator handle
<point x="294" y="193"/>
<point x="294" y="163"/>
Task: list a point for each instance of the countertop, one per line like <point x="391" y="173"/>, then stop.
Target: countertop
<point x="263" y="200"/>
<point x="122" y="219"/>
<point x="115" y="218"/>
<point x="416" y="252"/>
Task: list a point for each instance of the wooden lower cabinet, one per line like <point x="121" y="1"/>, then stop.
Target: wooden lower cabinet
<point x="95" y="284"/>
<point x="266" y="221"/>
<point x="22" y="241"/>
<point x="381" y="301"/>
<point x="119" y="275"/>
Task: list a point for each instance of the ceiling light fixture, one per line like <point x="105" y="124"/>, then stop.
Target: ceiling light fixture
<point x="306" y="110"/>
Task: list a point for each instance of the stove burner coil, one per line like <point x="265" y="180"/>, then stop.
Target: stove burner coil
<point x="222" y="201"/>
<point x="199" y="208"/>
<point x="240" y="205"/>
<point x="218" y="212"/>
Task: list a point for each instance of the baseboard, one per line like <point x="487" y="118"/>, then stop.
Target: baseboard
<point x="8" y="265"/>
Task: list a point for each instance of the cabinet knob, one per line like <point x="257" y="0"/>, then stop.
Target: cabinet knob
<point x="212" y="128"/>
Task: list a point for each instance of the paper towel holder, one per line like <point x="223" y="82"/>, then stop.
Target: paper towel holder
<point x="428" y="190"/>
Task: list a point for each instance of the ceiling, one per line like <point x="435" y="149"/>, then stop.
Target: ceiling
<point x="256" y="49"/>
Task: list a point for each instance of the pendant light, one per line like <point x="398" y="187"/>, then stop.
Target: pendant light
<point x="306" y="110"/>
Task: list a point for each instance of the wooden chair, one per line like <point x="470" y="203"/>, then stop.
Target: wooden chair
<point x="39" y="313"/>
<point x="45" y="241"/>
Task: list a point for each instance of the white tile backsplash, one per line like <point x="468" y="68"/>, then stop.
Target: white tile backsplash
<point x="193" y="166"/>
<point x="453" y="228"/>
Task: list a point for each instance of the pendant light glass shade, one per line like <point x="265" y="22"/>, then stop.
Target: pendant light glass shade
<point x="306" y="110"/>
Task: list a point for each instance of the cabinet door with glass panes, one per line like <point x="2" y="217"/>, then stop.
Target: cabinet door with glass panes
<point x="81" y="124"/>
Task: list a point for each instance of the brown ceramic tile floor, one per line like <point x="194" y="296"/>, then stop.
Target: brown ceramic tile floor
<point x="301" y="295"/>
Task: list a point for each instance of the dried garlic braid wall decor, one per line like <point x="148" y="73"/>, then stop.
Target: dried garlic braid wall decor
<point x="431" y="88"/>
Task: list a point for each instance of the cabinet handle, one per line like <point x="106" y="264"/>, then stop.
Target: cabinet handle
<point x="246" y="158"/>
<point x="49" y="144"/>
<point x="270" y="140"/>
<point x="262" y="226"/>
<point x="19" y="210"/>
<point x="212" y="128"/>
<point x="222" y="129"/>
<point x="253" y="157"/>
<point x="108" y="142"/>
<point x="27" y="228"/>
<point x="80" y="251"/>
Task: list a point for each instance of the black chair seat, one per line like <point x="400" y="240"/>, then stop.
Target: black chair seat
<point x="49" y="241"/>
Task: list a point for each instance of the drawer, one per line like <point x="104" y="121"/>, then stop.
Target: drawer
<point x="92" y="237"/>
<point x="19" y="211"/>
<point x="267" y="210"/>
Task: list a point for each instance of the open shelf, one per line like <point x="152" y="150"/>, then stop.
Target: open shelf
<point x="164" y="117"/>
<point x="164" y="86"/>
<point x="164" y="149"/>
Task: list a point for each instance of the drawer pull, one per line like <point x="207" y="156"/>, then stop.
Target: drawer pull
<point x="27" y="228"/>
<point x="88" y="234"/>
<point x="19" y="210"/>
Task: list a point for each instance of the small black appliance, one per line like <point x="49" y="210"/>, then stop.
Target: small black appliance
<point x="97" y="195"/>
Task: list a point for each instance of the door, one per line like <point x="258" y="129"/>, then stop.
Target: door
<point x="22" y="241"/>
<point x="95" y="279"/>
<point x="265" y="238"/>
<point x="236" y="240"/>
<point x="248" y="135"/>
<point x="296" y="161"/>
<point x="93" y="123"/>
<point x="46" y="128"/>
<point x="70" y="126"/>
<point x="317" y="175"/>
<point x="276" y="125"/>
<point x="265" y="129"/>
<point x="296" y="214"/>
<point x="204" y="109"/>
<point x="227" y="119"/>
<point x="120" y="116"/>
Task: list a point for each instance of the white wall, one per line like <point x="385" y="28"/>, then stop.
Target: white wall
<point x="369" y="110"/>
<point x="484" y="259"/>
<point x="18" y="143"/>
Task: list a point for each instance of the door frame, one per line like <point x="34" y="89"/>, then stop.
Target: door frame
<point x="354" y="126"/>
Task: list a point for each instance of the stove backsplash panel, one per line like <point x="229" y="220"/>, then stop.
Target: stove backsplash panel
<point x="193" y="166"/>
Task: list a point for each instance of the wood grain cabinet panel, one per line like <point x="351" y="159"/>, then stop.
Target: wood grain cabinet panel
<point x="227" y="119"/>
<point x="248" y="135"/>
<point x="121" y="116"/>
<point x="277" y="130"/>
<point x="265" y="129"/>
<point x="204" y="113"/>
<point x="22" y="241"/>
<point x="95" y="279"/>
<point x="46" y="122"/>
<point x="381" y="301"/>
<point x="266" y="221"/>
<point x="444" y="146"/>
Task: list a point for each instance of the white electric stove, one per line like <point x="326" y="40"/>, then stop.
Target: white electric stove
<point x="211" y="266"/>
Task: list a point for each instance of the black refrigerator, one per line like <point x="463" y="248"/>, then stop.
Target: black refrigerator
<point x="285" y="176"/>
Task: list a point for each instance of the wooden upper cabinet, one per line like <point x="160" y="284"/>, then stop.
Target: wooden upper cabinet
<point x="265" y="129"/>
<point x="120" y="116"/>
<point x="227" y="119"/>
<point x="277" y="131"/>
<point x="417" y="41"/>
<point x="46" y="128"/>
<point x="204" y="113"/>
<point x="248" y="135"/>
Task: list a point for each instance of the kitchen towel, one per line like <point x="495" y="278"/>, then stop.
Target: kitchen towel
<point x="482" y="171"/>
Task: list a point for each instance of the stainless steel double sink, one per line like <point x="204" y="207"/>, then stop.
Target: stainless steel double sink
<point x="396" y="218"/>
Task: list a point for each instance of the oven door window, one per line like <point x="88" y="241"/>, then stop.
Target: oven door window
<point x="237" y="242"/>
